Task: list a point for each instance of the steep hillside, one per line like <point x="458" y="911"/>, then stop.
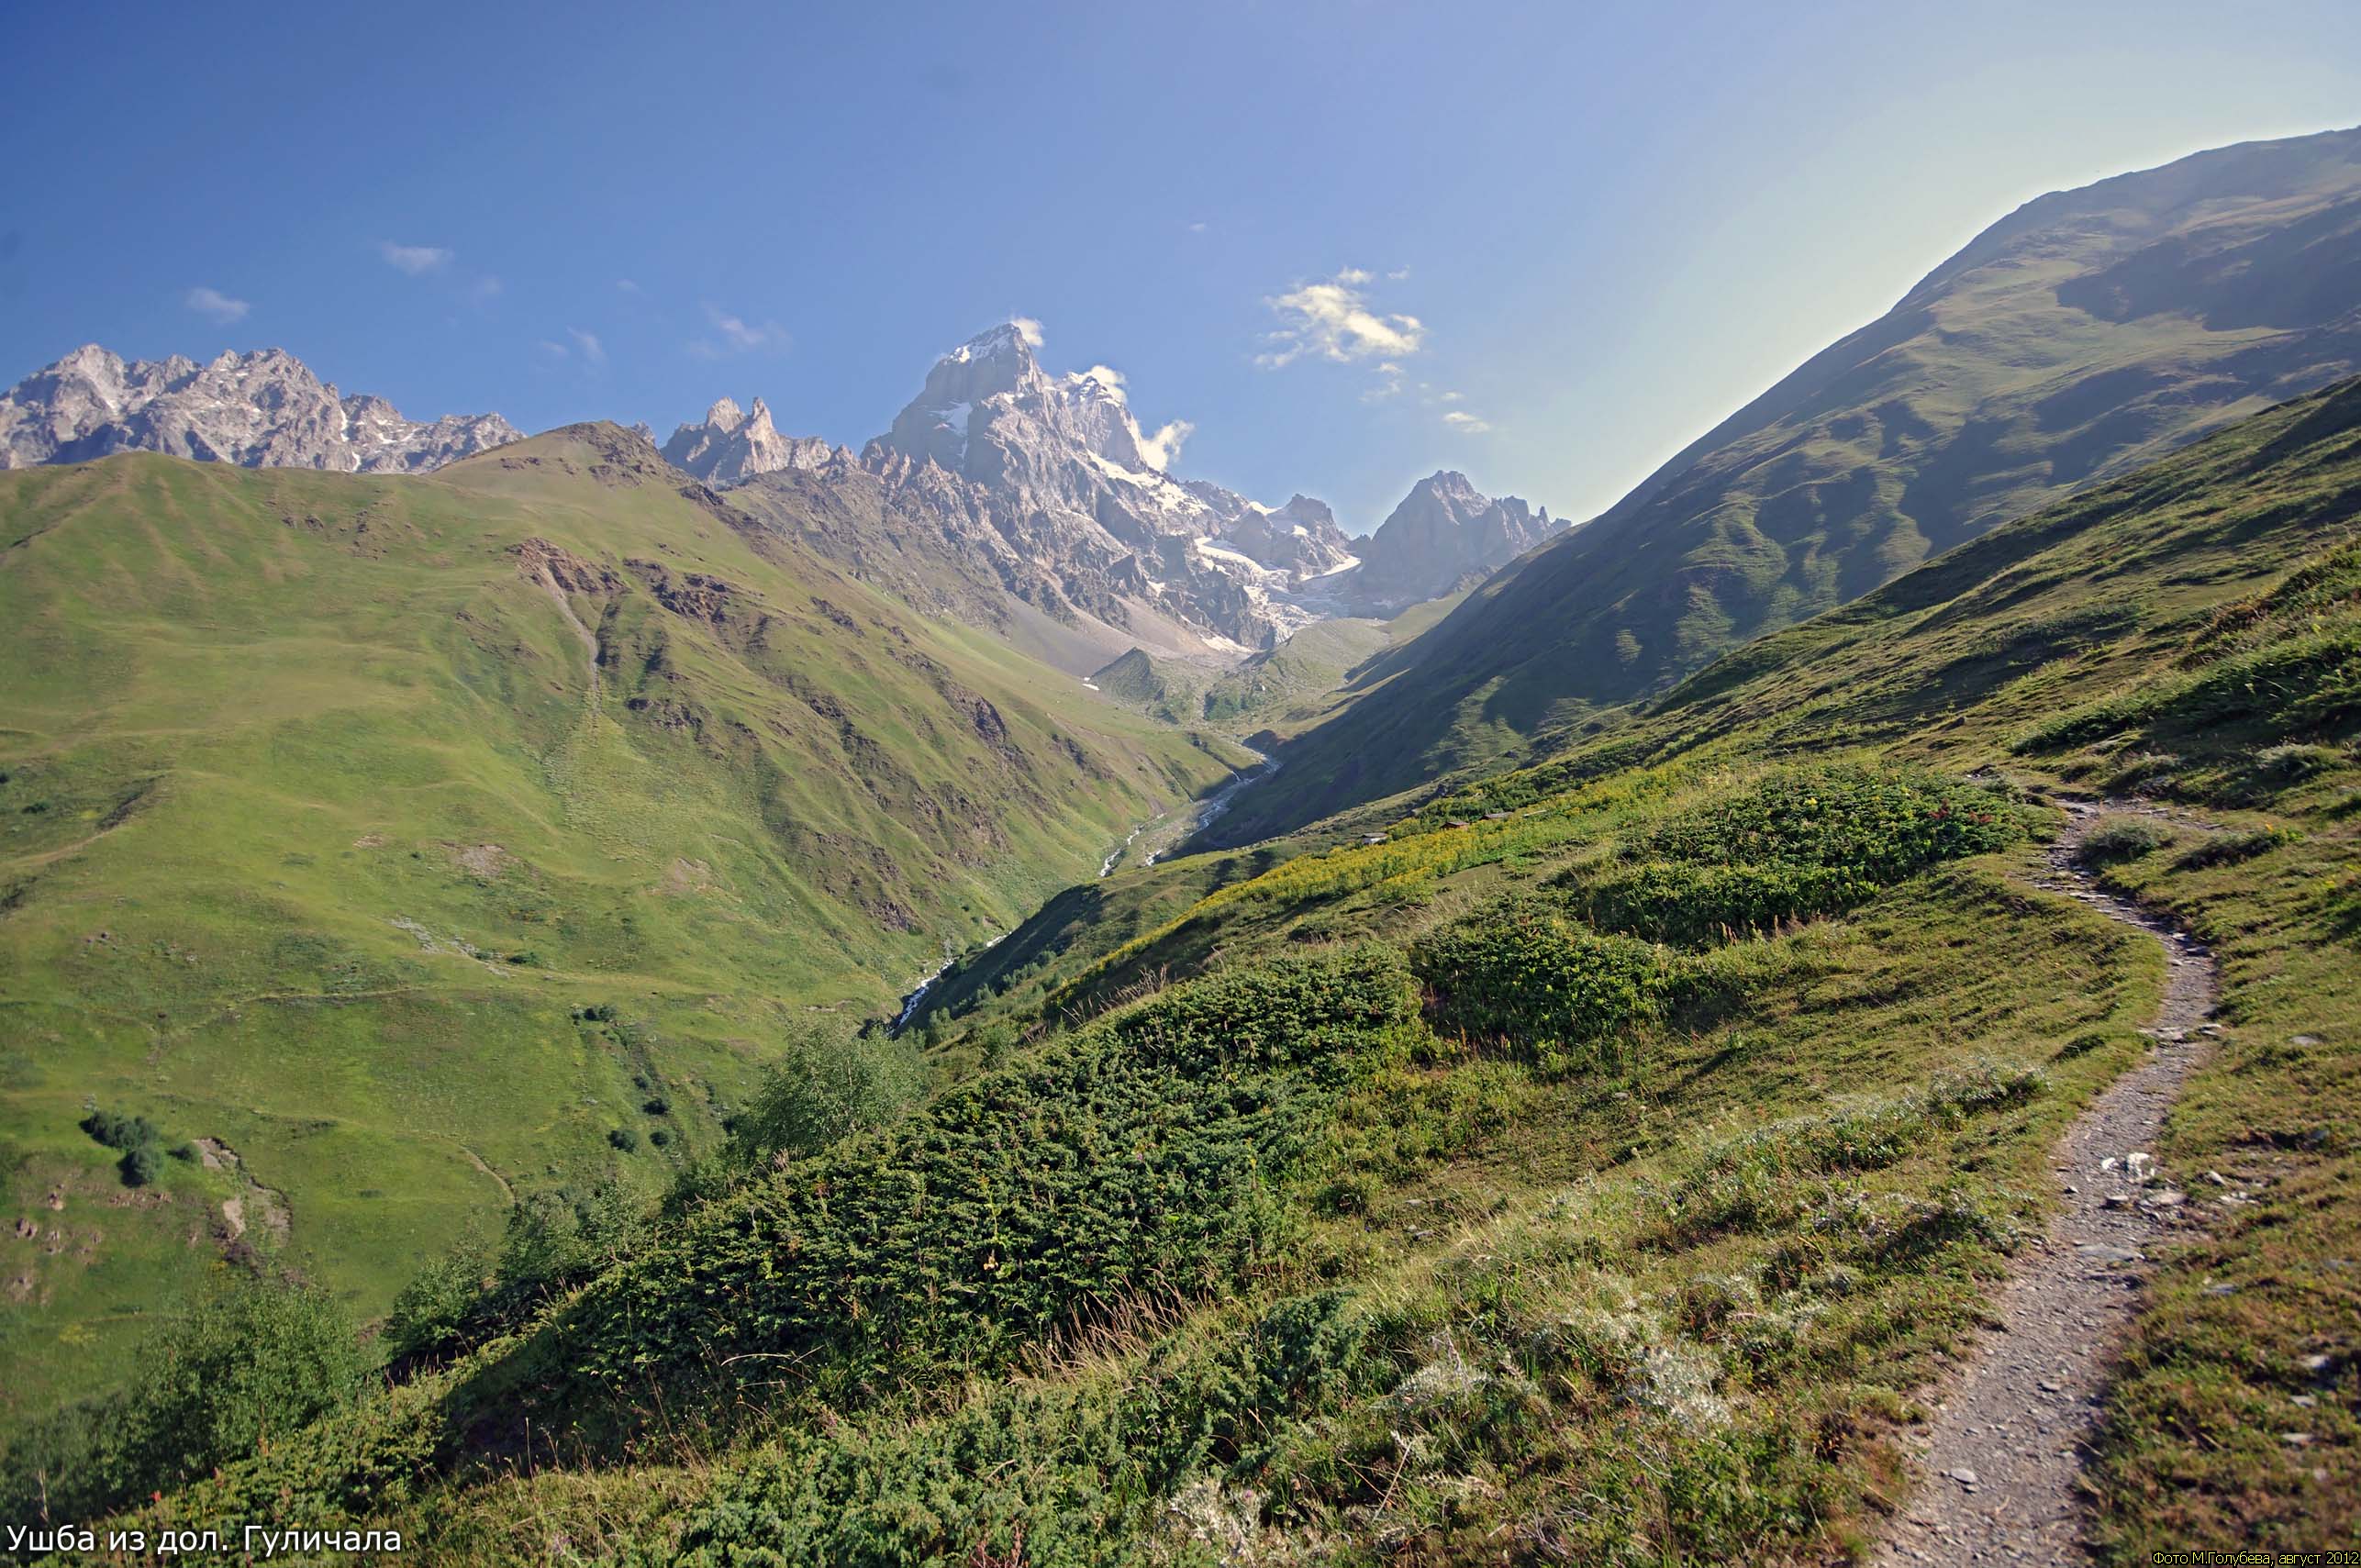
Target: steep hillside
<point x="2083" y="334"/>
<point x="423" y="843"/>
<point x="1604" y="1167"/>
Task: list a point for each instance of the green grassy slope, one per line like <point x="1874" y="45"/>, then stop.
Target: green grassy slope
<point x="2084" y="335"/>
<point x="330" y="801"/>
<point x="1442" y="1215"/>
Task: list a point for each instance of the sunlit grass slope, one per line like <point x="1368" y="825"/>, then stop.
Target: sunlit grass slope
<point x="1601" y="1169"/>
<point x="331" y="804"/>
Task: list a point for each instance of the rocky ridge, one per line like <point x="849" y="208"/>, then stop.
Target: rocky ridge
<point x="1000" y="471"/>
<point x="261" y="409"/>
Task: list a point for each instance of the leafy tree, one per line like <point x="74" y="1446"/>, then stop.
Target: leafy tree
<point x="252" y="1361"/>
<point x="829" y="1083"/>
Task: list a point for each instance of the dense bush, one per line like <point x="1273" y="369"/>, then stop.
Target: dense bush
<point x="1682" y="902"/>
<point x="1880" y="825"/>
<point x="1523" y="974"/>
<point x="553" y="1240"/>
<point x="1140" y="1155"/>
<point x="1054" y="1476"/>
<point x="140" y="1144"/>
<point x="254" y="1361"/>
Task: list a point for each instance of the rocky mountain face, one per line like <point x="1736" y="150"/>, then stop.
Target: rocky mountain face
<point x="1444" y="533"/>
<point x="264" y="409"/>
<point x="1046" y="486"/>
<point x="732" y="446"/>
<point x="2084" y="335"/>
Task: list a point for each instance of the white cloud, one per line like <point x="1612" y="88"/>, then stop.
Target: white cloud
<point x="1111" y="379"/>
<point x="1197" y="227"/>
<point x="592" y="349"/>
<point x="1388" y="383"/>
<point x="1334" y="320"/>
<point x="1027" y="329"/>
<point x="1454" y="397"/>
<point x="1466" y="424"/>
<point x="554" y="349"/>
<point x="485" y="289"/>
<point x="1159" y="450"/>
<point x="216" y="303"/>
<point x="627" y="286"/>
<point x="1397" y="274"/>
<point x="414" y="259"/>
<point x="739" y="336"/>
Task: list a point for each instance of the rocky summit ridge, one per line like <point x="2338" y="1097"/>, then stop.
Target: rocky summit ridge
<point x="260" y="409"/>
<point x="1051" y="482"/>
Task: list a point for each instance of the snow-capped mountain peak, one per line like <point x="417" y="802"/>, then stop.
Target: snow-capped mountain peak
<point x="262" y="408"/>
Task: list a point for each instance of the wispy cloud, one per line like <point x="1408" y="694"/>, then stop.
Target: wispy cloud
<point x="1466" y="424"/>
<point x="416" y="261"/>
<point x="1027" y="329"/>
<point x="627" y="286"/>
<point x="1334" y="319"/>
<point x="739" y="336"/>
<point x="1111" y="379"/>
<point x="1160" y="448"/>
<point x="593" y="350"/>
<point x="214" y="303"/>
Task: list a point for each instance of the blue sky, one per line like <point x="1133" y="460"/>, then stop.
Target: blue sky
<point x="1578" y="234"/>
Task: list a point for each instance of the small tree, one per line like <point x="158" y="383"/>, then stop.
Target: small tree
<point x="829" y="1083"/>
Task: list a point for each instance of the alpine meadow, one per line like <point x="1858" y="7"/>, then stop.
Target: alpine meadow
<point x="901" y="977"/>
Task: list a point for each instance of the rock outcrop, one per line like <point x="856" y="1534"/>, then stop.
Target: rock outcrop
<point x="730" y="447"/>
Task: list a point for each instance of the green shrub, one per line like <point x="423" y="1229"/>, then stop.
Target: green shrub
<point x="552" y="1241"/>
<point x="659" y="1137"/>
<point x="1522" y="975"/>
<point x="142" y="1165"/>
<point x="829" y="1083"/>
<point x="1880" y="825"/>
<point x="656" y="1105"/>
<point x="253" y="1362"/>
<point x="2124" y="839"/>
<point x="1052" y="1475"/>
<point x="623" y="1138"/>
<point x="1139" y="1155"/>
<point x="1682" y="902"/>
<point x="119" y="1131"/>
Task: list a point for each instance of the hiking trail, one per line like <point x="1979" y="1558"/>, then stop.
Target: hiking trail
<point x="1998" y="1464"/>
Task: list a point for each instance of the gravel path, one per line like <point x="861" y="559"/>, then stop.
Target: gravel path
<point x="1999" y="1460"/>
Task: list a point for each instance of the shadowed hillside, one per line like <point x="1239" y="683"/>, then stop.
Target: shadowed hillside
<point x="2081" y="336"/>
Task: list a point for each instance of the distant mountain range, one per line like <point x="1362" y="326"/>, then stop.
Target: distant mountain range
<point x="1032" y="505"/>
<point x="2084" y="335"/>
<point x="264" y="409"/>
<point x="1009" y="496"/>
